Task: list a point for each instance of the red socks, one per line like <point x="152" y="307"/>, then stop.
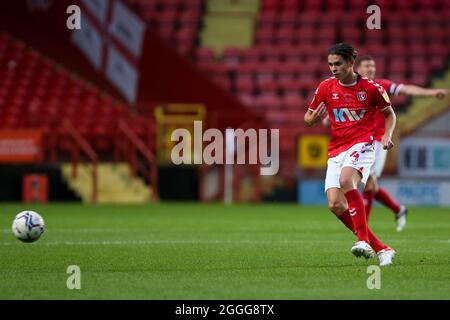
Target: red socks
<point x="357" y="212"/>
<point x="347" y="221"/>
<point x="368" y="200"/>
<point x="383" y="197"/>
<point x="376" y="244"/>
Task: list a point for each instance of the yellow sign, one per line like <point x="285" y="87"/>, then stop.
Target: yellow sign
<point x="171" y="117"/>
<point x="313" y="151"/>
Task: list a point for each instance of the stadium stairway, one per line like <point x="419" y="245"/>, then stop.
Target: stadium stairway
<point x="115" y="184"/>
<point x="229" y="24"/>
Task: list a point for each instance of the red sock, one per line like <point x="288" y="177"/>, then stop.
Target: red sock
<point x="368" y="199"/>
<point x="358" y="213"/>
<point x="383" y="197"/>
<point x="375" y="243"/>
<point x="347" y="220"/>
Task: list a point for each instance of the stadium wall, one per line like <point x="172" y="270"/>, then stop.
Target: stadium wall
<point x="11" y="184"/>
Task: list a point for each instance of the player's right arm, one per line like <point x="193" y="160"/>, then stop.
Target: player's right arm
<point x="317" y="108"/>
<point x="326" y="121"/>
<point x="314" y="116"/>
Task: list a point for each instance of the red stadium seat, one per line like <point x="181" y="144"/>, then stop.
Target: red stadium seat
<point x="437" y="62"/>
<point x="351" y="35"/>
<point x="244" y="85"/>
<point x="426" y="6"/>
<point x="247" y="99"/>
<point x="232" y="57"/>
<point x="267" y="19"/>
<point x="326" y="35"/>
<point x="287" y="19"/>
<point x="292" y="53"/>
<point x="309" y="19"/>
<point x="265" y="36"/>
<point x="268" y="101"/>
<point x="335" y="6"/>
<point x="292" y="87"/>
<point x="405" y="5"/>
<point x="397" y="35"/>
<point x="246" y="70"/>
<point x="285" y="36"/>
<point x="399" y="64"/>
<point x="287" y="71"/>
<point x="312" y="5"/>
<point x="290" y="5"/>
<point x="270" y="5"/>
<point x="306" y="34"/>
<point x="293" y="101"/>
<point x="266" y="72"/>
<point x="268" y="87"/>
<point x="253" y="54"/>
<point x="374" y="37"/>
<point x="189" y="19"/>
<point x="204" y="54"/>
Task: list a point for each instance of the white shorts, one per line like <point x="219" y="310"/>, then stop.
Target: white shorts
<point x="380" y="160"/>
<point x="361" y="156"/>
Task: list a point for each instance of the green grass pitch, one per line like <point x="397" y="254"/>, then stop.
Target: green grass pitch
<point x="194" y="251"/>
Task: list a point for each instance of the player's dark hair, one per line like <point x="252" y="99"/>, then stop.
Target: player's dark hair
<point x="344" y="50"/>
<point x="364" y="58"/>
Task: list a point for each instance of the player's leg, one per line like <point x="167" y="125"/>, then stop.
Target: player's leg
<point x="367" y="240"/>
<point x="356" y="168"/>
<point x="336" y="199"/>
<point x="338" y="205"/>
<point x="349" y="180"/>
<point x="400" y="211"/>
<point x="369" y="195"/>
<point x="375" y="171"/>
<point x="382" y="195"/>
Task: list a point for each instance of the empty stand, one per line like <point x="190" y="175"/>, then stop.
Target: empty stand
<point x="36" y="92"/>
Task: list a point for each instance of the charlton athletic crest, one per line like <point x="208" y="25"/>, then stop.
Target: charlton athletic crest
<point x="362" y="96"/>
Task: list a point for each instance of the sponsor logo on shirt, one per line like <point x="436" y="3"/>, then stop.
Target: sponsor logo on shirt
<point x="344" y="114"/>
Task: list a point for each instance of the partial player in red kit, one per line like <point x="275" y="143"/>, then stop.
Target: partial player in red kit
<point x="351" y="102"/>
<point x="366" y="67"/>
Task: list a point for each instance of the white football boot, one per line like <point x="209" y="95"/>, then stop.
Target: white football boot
<point x="362" y="248"/>
<point x="400" y="218"/>
<point x="386" y="256"/>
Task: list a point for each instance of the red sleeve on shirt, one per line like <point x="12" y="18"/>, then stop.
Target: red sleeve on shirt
<point x="391" y="88"/>
<point x="381" y="98"/>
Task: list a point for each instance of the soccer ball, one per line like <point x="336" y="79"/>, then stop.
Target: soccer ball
<point x="28" y="226"/>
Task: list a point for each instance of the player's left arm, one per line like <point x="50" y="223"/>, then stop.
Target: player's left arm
<point x="389" y="126"/>
<point x="383" y="104"/>
<point x="412" y="90"/>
